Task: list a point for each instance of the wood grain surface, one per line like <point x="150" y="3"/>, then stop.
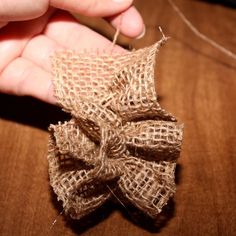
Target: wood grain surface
<point x="196" y="83"/>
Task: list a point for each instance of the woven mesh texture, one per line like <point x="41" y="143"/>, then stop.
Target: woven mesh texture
<point x="119" y="140"/>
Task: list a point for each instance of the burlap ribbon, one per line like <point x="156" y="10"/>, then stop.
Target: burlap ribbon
<point x="119" y="141"/>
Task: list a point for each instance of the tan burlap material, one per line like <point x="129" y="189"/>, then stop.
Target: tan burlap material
<point x="119" y="142"/>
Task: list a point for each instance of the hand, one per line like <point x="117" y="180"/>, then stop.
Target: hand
<point x="30" y="31"/>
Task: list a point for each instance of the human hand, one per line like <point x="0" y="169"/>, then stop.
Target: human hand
<point x="30" y="31"/>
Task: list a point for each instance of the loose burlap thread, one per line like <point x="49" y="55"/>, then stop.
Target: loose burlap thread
<point x="119" y="140"/>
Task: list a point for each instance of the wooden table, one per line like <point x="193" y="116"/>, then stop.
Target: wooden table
<point x="196" y="82"/>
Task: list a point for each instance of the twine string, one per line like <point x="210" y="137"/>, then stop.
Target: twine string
<point x="117" y="32"/>
<point x="199" y="34"/>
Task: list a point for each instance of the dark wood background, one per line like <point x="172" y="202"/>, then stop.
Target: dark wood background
<point x="197" y="83"/>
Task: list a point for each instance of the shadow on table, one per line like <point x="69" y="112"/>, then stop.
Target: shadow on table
<point x="29" y="111"/>
<point x="32" y="112"/>
<point x="227" y="3"/>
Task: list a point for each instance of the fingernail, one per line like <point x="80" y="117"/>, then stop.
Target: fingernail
<point x="143" y="33"/>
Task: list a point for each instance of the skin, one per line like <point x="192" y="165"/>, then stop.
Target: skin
<point x="30" y="31"/>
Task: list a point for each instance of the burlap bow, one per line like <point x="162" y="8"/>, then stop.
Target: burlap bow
<point x="120" y="141"/>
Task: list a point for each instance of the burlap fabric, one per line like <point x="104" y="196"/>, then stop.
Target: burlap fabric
<point x="119" y="141"/>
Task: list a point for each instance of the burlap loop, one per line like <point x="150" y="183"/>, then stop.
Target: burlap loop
<point x="119" y="141"/>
